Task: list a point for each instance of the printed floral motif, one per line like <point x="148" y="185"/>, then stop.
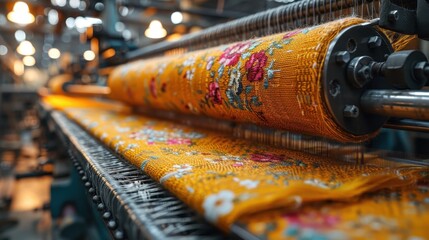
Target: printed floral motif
<point x="247" y="183"/>
<point x="153" y="136"/>
<point x="210" y="62"/>
<point x="266" y="157"/>
<point x="218" y="205"/>
<point x="255" y="66"/>
<point x="291" y="34"/>
<point x="153" y="87"/>
<point x="214" y="93"/>
<point x="189" y="75"/>
<point x="231" y="55"/>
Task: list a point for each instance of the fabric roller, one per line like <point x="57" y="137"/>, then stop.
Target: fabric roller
<point x="280" y="81"/>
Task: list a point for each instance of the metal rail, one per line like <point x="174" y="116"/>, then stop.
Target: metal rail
<point x="297" y="14"/>
<point x="394" y="103"/>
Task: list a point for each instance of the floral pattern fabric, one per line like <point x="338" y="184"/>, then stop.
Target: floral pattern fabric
<point x="225" y="178"/>
<point x="387" y="214"/>
<point x="273" y="81"/>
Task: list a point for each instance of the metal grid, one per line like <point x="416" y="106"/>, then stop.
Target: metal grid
<point x="131" y="203"/>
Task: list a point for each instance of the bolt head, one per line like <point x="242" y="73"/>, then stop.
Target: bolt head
<point x="351" y="111"/>
<point x="374" y="42"/>
<point x="393" y="16"/>
<point x="342" y="57"/>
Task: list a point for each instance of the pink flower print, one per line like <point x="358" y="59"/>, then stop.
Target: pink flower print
<point x="175" y="141"/>
<point x="255" y="66"/>
<point x="291" y="34"/>
<point x="214" y="93"/>
<point x="232" y="54"/>
<point x="312" y="220"/>
<point x="152" y="87"/>
<point x="210" y="62"/>
<point x="266" y="157"/>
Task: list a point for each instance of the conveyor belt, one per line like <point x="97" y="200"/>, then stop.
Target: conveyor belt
<point x="132" y="204"/>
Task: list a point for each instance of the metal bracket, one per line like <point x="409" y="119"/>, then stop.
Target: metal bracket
<point x="407" y="17"/>
<point x="342" y="96"/>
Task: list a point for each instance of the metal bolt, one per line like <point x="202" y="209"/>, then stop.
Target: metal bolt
<point x="393" y="16"/>
<point x="112" y="224"/>
<point x="107" y="215"/>
<point x="342" y="57"/>
<point x="96" y="198"/>
<point x="119" y="234"/>
<point x="84" y="178"/>
<point x="363" y="77"/>
<point x="374" y="42"/>
<point x="91" y="190"/>
<point x="351" y="111"/>
<point x="87" y="184"/>
<point x="100" y="206"/>
<point x="81" y="172"/>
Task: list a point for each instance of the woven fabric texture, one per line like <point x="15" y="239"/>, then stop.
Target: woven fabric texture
<point x="225" y="178"/>
<point x="387" y="214"/>
<point x="273" y="81"/>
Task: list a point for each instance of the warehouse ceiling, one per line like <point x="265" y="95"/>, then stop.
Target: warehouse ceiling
<point x="59" y="23"/>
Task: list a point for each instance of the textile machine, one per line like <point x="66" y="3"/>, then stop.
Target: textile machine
<point x="305" y="85"/>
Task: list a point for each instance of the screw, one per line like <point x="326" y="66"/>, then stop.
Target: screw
<point x="374" y="42"/>
<point x="84" y="178"/>
<point x="119" y="234"/>
<point x="393" y="16"/>
<point x="95" y="198"/>
<point x="107" y="215"/>
<point x="363" y="77"/>
<point x="351" y="111"/>
<point x="334" y="88"/>
<point x="111" y="224"/>
<point x="87" y="184"/>
<point x="81" y="172"/>
<point x="91" y="190"/>
<point x="100" y="206"/>
<point x="342" y="57"/>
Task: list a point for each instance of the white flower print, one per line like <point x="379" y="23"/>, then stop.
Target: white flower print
<point x="188" y="62"/>
<point x="218" y="205"/>
<point x="182" y="167"/>
<point x="190" y="74"/>
<point x="249" y="184"/>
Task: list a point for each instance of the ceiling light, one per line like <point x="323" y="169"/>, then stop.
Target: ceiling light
<point x="176" y="17"/>
<point x="20" y="14"/>
<point x="155" y="30"/>
<point x="20" y="35"/>
<point x="82" y="5"/>
<point x="70" y="23"/>
<point x="26" y="48"/>
<point x="29" y="61"/>
<point x="127" y="34"/>
<point x="60" y="3"/>
<point x="54" y="53"/>
<point x="18" y="67"/>
<point x="53" y="17"/>
<point x="89" y="55"/>
<point x="119" y="26"/>
<point x="74" y="3"/>
<point x="3" y="50"/>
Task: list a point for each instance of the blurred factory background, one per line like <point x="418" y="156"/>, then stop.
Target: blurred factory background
<point x="43" y="38"/>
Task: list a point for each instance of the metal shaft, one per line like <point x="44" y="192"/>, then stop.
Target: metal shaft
<point x="401" y="104"/>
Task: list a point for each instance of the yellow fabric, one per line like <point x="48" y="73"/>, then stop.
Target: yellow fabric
<point x="273" y="81"/>
<point x="398" y="214"/>
<point x="225" y="178"/>
<point x="60" y="102"/>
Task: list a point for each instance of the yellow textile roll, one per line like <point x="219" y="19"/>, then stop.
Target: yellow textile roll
<point x="273" y="81"/>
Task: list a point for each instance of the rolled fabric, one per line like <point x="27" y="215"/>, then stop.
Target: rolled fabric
<point x="274" y="81"/>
